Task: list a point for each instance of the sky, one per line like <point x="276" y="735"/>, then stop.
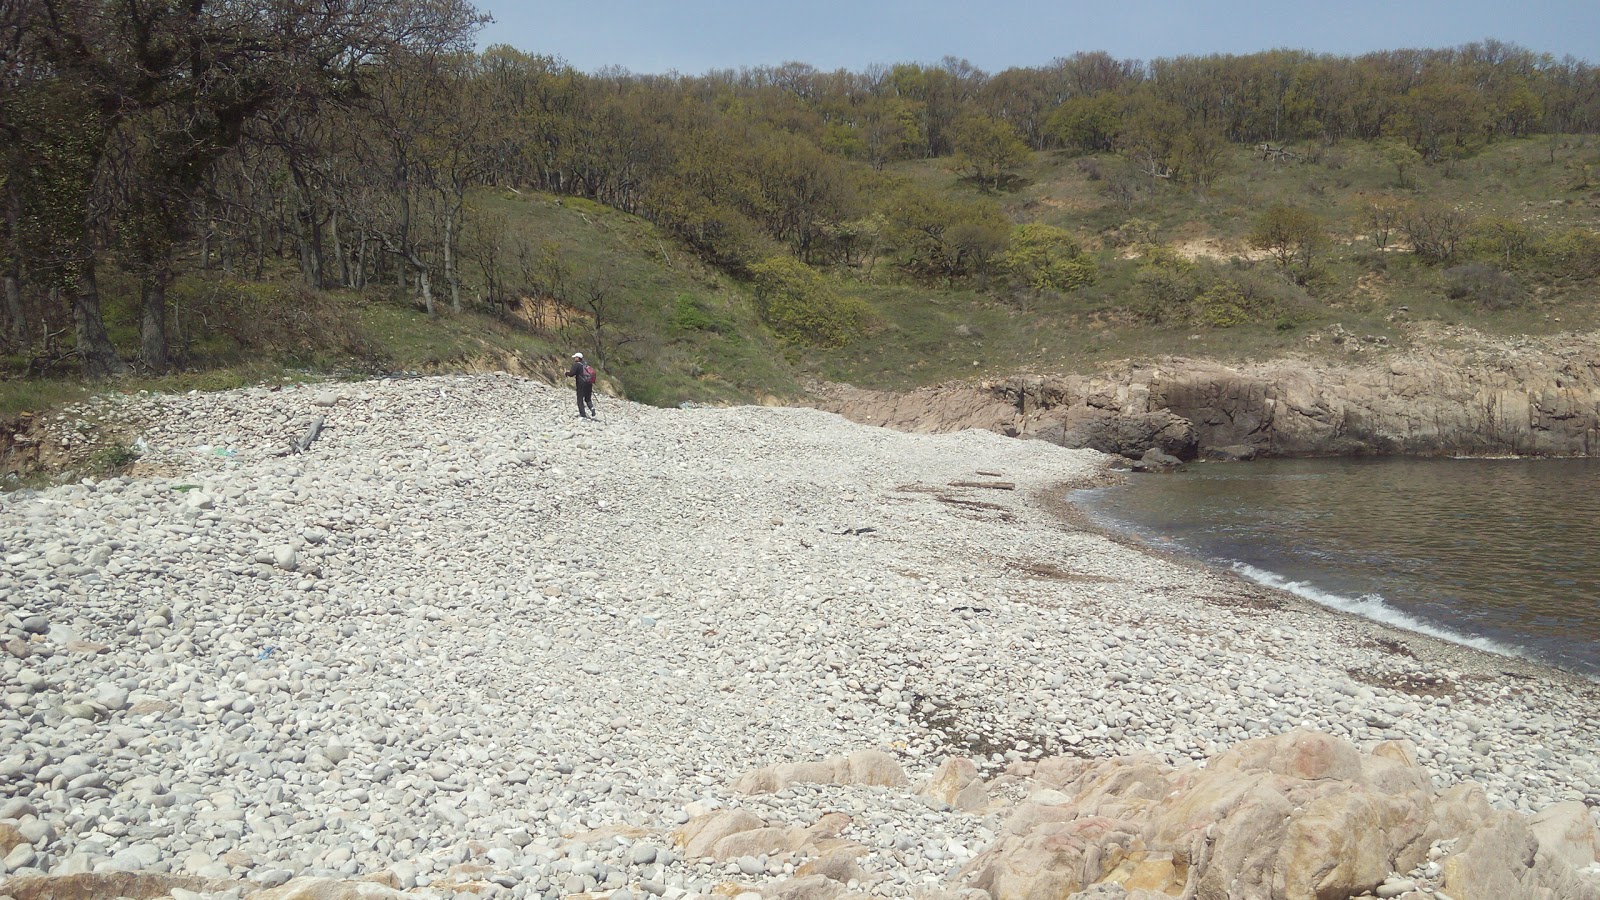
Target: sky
<point x="694" y="36"/>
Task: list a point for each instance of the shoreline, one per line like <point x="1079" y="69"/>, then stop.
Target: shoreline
<point x="1079" y="519"/>
<point x="464" y="619"/>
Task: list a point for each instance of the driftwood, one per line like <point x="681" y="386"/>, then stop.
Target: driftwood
<point x="311" y="434"/>
<point x="992" y="485"/>
<point x="1277" y="154"/>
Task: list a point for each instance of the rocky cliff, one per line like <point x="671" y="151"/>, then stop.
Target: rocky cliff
<point x="1470" y="396"/>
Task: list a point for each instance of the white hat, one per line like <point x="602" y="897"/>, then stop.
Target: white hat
<point x="577" y="356"/>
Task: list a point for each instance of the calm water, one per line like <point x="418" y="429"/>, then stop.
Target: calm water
<point x="1500" y="554"/>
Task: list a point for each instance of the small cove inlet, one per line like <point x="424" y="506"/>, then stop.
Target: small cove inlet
<point x="1498" y="554"/>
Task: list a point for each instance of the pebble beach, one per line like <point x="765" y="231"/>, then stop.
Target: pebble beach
<point x="467" y="628"/>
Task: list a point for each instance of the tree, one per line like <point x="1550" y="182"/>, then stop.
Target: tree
<point x="1290" y="234"/>
<point x="1380" y="217"/>
<point x="177" y="84"/>
<point x="937" y="237"/>
<point x="987" y="150"/>
<point x="801" y="306"/>
<point x="1434" y="231"/>
<point x="1404" y="158"/>
<point x="1087" y="124"/>
<point x="1046" y="258"/>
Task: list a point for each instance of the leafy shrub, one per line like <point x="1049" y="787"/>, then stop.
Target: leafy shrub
<point x="1222" y="305"/>
<point x="1046" y="258"/>
<point x="1506" y="242"/>
<point x="1132" y="233"/>
<point x="1574" y="252"/>
<point x="1483" y="286"/>
<point x="802" y="307"/>
<point x="1164" y="286"/>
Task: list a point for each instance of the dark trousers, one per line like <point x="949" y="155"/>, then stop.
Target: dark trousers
<point x="585" y="397"/>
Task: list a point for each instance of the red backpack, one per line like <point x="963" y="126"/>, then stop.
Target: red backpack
<point x="586" y="374"/>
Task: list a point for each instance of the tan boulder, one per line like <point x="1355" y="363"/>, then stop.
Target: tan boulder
<point x="808" y="887"/>
<point x="1566" y="832"/>
<point x="701" y="833"/>
<point x="873" y="767"/>
<point x="1303" y="754"/>
<point x="1298" y="816"/>
<point x="840" y="867"/>
<point x="1345" y="843"/>
<point x="1492" y="861"/>
<point x="10" y="838"/>
<point x="330" y="889"/>
<point x="758" y="841"/>
<point x="97" y="886"/>
<point x="867" y="767"/>
<point x="957" y="785"/>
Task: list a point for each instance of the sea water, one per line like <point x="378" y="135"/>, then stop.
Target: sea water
<point x="1498" y="554"/>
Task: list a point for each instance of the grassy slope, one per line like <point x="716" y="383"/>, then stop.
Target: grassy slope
<point x="933" y="334"/>
<point x="722" y="355"/>
<point x="682" y="331"/>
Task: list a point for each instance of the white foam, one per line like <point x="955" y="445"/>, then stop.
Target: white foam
<point x="1373" y="606"/>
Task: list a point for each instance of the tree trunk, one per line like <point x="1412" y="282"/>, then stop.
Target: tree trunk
<point x="95" y="353"/>
<point x="450" y="264"/>
<point x="16" y="318"/>
<point x="340" y="264"/>
<point x="153" y="348"/>
<point x="310" y="263"/>
<point x="425" y="285"/>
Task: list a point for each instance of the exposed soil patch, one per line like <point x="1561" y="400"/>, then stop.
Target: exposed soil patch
<point x="34" y="449"/>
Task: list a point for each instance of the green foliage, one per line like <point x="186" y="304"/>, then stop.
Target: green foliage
<point x="936" y="236"/>
<point x="1572" y="251"/>
<point x="802" y="307"/>
<point x="1165" y="286"/>
<point x="266" y="318"/>
<point x="112" y="460"/>
<point x="1292" y="235"/>
<point x="1046" y="258"/>
<point x="1223" y="305"/>
<point x="689" y="313"/>
<point x="1506" y="242"/>
<point x="988" y="150"/>
<point x="1087" y="124"/>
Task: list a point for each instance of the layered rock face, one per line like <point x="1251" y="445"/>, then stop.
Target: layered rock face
<point x="1528" y="398"/>
<point x="1298" y="816"/>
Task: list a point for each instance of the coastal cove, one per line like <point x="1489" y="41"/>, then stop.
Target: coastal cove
<point x="1493" y="553"/>
<point x="468" y="643"/>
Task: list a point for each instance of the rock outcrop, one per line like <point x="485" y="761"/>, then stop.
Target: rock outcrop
<point x="1298" y="816"/>
<point x="1535" y="398"/>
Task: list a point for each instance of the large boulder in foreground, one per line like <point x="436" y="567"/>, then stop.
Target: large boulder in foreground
<point x="1300" y="816"/>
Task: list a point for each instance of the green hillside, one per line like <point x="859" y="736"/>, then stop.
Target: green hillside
<point x="673" y="328"/>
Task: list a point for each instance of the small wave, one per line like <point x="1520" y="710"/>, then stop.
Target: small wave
<point x="1373" y="606"/>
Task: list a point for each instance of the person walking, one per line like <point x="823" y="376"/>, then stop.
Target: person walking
<point x="582" y="375"/>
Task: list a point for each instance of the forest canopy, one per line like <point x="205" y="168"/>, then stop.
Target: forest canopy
<point x="344" y="140"/>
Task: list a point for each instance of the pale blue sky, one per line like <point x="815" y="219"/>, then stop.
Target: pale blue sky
<point x="692" y="36"/>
